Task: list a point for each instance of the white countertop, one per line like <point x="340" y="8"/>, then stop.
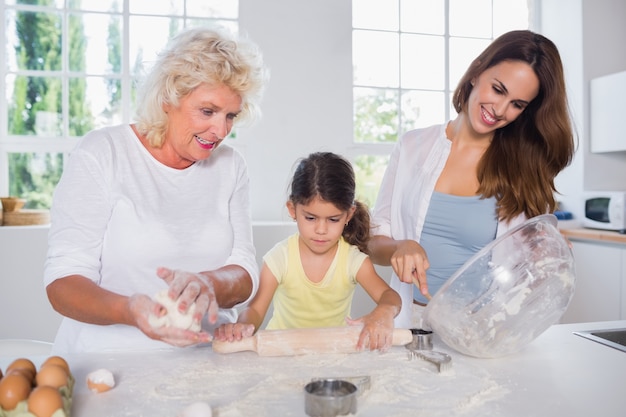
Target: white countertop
<point x="558" y="374"/>
<point x="594" y="235"/>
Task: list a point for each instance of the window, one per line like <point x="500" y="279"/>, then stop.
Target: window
<point x="407" y="58"/>
<point x="72" y="67"/>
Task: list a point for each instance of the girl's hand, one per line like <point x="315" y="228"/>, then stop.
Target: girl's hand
<point x="377" y="332"/>
<point x="410" y="263"/>
<point x="141" y="307"/>
<point x="189" y="288"/>
<point x="231" y="332"/>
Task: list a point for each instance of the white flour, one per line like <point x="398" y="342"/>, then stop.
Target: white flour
<point x="162" y="384"/>
<point x="245" y="384"/>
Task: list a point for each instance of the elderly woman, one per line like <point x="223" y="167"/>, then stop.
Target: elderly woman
<point x="160" y="207"/>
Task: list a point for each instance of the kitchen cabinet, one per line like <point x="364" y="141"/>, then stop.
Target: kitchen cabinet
<point x="600" y="282"/>
<point x="25" y="312"/>
<point x="607" y="94"/>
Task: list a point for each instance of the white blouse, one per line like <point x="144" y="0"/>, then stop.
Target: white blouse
<point x="415" y="164"/>
<point x="118" y="214"/>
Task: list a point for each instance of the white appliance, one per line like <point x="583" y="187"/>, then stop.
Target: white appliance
<point x="605" y="210"/>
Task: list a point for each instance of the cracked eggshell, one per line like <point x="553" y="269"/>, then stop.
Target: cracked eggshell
<point x="101" y="380"/>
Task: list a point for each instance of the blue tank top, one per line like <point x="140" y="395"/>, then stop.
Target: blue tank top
<point x="455" y="228"/>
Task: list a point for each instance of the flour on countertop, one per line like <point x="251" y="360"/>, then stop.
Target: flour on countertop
<point x="245" y="384"/>
<point x="532" y="289"/>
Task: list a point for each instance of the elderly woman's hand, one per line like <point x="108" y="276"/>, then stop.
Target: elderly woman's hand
<point x="142" y="307"/>
<point x="189" y="288"/>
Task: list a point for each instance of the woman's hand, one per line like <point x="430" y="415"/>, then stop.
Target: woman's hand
<point x="189" y="288"/>
<point x="409" y="262"/>
<point x="141" y="307"/>
<point x="231" y="332"/>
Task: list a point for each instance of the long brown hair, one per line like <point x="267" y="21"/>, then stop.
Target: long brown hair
<point x="525" y="156"/>
<point x="331" y="178"/>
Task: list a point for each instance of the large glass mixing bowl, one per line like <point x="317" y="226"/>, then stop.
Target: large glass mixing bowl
<point x="508" y="293"/>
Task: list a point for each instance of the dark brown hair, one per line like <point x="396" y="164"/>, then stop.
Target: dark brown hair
<point x="525" y="156"/>
<point x="331" y="178"/>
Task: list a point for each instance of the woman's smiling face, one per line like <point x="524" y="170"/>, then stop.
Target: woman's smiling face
<point x="199" y="123"/>
<point x="500" y="94"/>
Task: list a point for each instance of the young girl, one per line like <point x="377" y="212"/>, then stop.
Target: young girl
<point x="311" y="276"/>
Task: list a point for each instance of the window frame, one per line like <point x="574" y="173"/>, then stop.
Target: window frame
<point x="31" y="143"/>
<point x="360" y="149"/>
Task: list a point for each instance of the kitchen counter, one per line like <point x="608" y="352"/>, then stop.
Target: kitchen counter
<point x="594" y="235"/>
<point x="558" y="374"/>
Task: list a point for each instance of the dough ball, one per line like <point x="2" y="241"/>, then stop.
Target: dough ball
<point x="197" y="409"/>
<point x="100" y="381"/>
<point x="174" y="318"/>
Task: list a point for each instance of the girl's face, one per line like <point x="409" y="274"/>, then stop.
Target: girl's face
<point x="320" y="224"/>
<point x="500" y="94"/>
<point x="199" y="123"/>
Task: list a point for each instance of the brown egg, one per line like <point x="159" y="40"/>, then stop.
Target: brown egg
<point x="25" y="365"/>
<point x="14" y="387"/>
<point x="22" y="363"/>
<point x="52" y="376"/>
<point x="44" y="401"/>
<point x="57" y="360"/>
<point x="26" y="373"/>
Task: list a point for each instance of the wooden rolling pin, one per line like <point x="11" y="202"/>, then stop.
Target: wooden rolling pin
<point x="304" y="341"/>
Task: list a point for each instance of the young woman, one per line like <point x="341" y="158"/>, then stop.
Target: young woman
<point x="451" y="189"/>
<point x="311" y="276"/>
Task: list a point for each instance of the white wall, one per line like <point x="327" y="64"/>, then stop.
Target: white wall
<point x="589" y="35"/>
<point x="308" y="103"/>
<point x="604" y="26"/>
<point x="25" y="312"/>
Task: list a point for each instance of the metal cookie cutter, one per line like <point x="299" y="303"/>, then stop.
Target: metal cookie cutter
<point x="362" y="382"/>
<point x="330" y="398"/>
<point x="421" y="347"/>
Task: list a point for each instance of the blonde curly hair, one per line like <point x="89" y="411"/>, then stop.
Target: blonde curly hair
<point x="197" y="56"/>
